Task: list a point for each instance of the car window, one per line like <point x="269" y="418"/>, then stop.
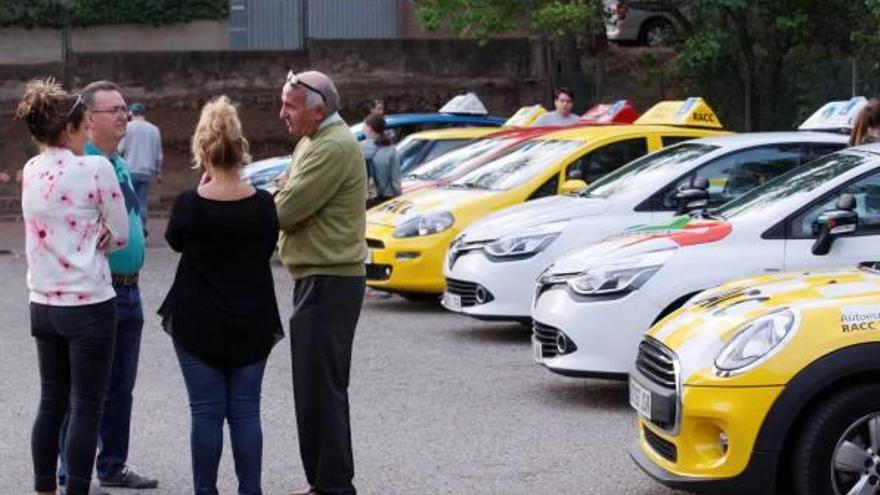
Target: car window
<point x="822" y="149"/>
<point x="733" y="175"/>
<point x="657" y="168"/>
<point x="670" y="140"/>
<point x="448" y="163"/>
<point x="443" y="146"/>
<point x="608" y="158"/>
<point x="409" y="150"/>
<point x="799" y="182"/>
<point x="867" y="195"/>
<point x="549" y="188"/>
<point x="518" y="165"/>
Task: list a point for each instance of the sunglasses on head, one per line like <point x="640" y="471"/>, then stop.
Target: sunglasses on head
<point x="295" y="81"/>
<point x="76" y="104"/>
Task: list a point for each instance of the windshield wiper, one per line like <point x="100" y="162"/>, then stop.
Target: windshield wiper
<point x="464" y="185"/>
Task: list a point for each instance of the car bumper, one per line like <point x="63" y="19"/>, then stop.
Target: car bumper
<point x="413" y="264"/>
<point x="605" y="332"/>
<point x="712" y="447"/>
<point x="510" y="286"/>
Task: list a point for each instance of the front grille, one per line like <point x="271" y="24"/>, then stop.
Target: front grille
<point x="546" y="335"/>
<point x="657" y="363"/>
<point x="665" y="448"/>
<point x="466" y="290"/>
<point x="375" y="244"/>
<point x="378" y="272"/>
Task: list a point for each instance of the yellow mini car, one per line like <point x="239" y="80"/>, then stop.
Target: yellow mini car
<point x="423" y="146"/>
<point x="765" y="385"/>
<point x="409" y="236"/>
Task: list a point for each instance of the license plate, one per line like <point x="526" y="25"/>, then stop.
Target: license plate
<point x="640" y="399"/>
<point x="537" y="351"/>
<point x="452" y="301"/>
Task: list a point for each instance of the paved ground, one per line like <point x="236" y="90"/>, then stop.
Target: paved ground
<point x="440" y="404"/>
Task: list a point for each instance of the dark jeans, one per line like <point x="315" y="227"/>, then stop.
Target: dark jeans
<point x="75" y="349"/>
<point x="141" y="185"/>
<point x="325" y="313"/>
<point x="214" y="395"/>
<point x="115" y="426"/>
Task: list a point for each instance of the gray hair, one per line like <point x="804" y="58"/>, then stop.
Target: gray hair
<point x="313" y="100"/>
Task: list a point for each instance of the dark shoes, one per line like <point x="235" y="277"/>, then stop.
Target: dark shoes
<point x="93" y="490"/>
<point x="129" y="479"/>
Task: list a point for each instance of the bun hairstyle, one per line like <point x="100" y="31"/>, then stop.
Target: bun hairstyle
<point x="869" y="116"/>
<point x="47" y="108"/>
<point x="377" y="124"/>
<point x="218" y="139"/>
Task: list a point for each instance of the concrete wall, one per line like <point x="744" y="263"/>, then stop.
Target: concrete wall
<point x="38" y="46"/>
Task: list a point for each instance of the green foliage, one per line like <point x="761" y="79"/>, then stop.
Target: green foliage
<point x="484" y="18"/>
<point x="52" y="13"/>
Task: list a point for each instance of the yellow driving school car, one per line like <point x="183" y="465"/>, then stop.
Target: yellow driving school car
<point x="424" y="146"/>
<point x="765" y="385"/>
<point x="409" y="236"/>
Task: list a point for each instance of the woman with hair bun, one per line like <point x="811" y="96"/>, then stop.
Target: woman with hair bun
<point x="73" y="212"/>
<point x="866" y="128"/>
<point x="221" y="310"/>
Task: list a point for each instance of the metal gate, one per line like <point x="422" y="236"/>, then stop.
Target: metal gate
<point x="266" y="25"/>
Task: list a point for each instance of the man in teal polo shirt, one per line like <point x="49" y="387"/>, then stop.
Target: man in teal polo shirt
<point x="108" y="116"/>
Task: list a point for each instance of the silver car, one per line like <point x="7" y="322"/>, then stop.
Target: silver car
<point x="626" y="23"/>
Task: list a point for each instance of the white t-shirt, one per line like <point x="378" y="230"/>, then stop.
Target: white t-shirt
<point x="553" y="119"/>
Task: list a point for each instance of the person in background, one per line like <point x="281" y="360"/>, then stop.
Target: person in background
<point x="866" y="128"/>
<point x="378" y="107"/>
<point x="562" y="116"/>
<point x="221" y="310"/>
<point x="142" y="150"/>
<point x="108" y="117"/>
<point x="72" y="208"/>
<point x="383" y="166"/>
<point x="323" y="245"/>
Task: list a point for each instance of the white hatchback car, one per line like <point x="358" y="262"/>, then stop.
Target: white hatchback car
<point x="493" y="264"/>
<point x="593" y="305"/>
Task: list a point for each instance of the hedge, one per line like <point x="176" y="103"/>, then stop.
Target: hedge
<point x="51" y="13"/>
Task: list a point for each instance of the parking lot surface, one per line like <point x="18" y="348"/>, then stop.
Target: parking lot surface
<point x="440" y="404"/>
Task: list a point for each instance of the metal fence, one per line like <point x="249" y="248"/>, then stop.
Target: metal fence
<point x="280" y="24"/>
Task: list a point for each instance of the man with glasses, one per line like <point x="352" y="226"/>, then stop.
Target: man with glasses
<point x="108" y="116"/>
<point x="322" y="244"/>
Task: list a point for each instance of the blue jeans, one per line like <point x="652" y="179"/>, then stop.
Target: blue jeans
<point x="116" y="422"/>
<point x="141" y="184"/>
<point x="74" y="349"/>
<point x="214" y="395"/>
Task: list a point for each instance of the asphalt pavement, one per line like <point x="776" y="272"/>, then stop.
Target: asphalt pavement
<point x="440" y="404"/>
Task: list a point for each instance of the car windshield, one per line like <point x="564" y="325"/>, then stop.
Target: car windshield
<point x="655" y="169"/>
<point x="518" y="165"/>
<point x="449" y="163"/>
<point x="409" y="149"/>
<point x="798" y="182"/>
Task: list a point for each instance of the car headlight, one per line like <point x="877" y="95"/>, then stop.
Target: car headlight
<point x="622" y="276"/>
<point x="526" y="243"/>
<point x="425" y="225"/>
<point x="755" y="342"/>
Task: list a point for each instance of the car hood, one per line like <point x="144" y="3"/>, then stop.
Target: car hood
<point x="398" y="210"/>
<point x="698" y="332"/>
<point x="532" y="213"/>
<point x="681" y="232"/>
<point x="267" y="164"/>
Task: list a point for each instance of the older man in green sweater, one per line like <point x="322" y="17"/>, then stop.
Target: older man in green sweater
<point x="322" y="218"/>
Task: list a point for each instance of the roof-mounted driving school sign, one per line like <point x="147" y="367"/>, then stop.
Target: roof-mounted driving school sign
<point x="692" y="112"/>
<point x="619" y="112"/>
<point x="835" y="115"/>
<point x="525" y="116"/>
<point x="466" y="104"/>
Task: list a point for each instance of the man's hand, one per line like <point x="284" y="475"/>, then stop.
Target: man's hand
<point x="281" y="180"/>
<point x="103" y="239"/>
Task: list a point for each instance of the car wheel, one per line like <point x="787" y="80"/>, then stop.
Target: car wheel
<point x="838" y="449"/>
<point x="657" y="32"/>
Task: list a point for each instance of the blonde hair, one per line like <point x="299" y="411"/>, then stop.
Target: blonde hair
<point x="47" y="108"/>
<point x="218" y="139"/>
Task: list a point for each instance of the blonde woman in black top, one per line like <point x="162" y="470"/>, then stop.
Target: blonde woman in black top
<point x="221" y="310"/>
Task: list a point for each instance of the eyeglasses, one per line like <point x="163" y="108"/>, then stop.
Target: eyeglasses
<point x="118" y="109"/>
<point x="76" y="104"/>
<point x="294" y="81"/>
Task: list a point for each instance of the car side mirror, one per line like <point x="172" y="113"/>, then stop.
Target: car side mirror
<point x="693" y="196"/>
<point x="572" y="186"/>
<point x="576" y="174"/>
<point x="838" y="221"/>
